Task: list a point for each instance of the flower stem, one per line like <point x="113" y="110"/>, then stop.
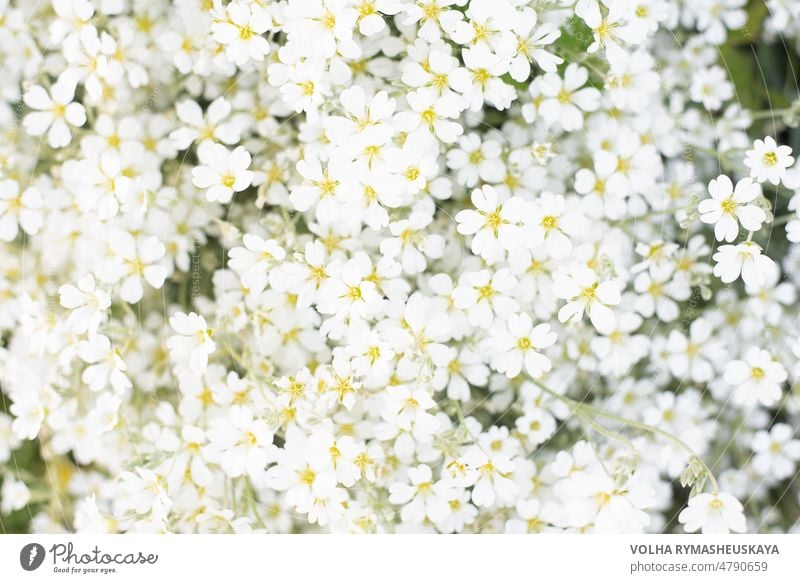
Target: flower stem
<point x="783" y="219"/>
<point x="580" y="408"/>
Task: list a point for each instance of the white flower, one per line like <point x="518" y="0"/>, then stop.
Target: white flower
<point x="322" y="188"/>
<point x="370" y="21"/>
<point x="768" y="161"/>
<point x="495" y="225"/>
<point x="144" y="492"/>
<point x="407" y="410"/>
<point x="488" y="25"/>
<point x="717" y="513"/>
<point x="19" y="210"/>
<point x="87" y="302"/>
<point x="485" y="296"/>
<point x="611" y="29"/>
<point x="303" y="467"/>
<point x="520" y="343"/>
<point x="366" y="118"/>
<point x="222" y="172"/>
<point x="585" y="293"/>
<point x="29" y="412"/>
<point x="239" y="27"/>
<point x="422" y="498"/>
<point x="55" y="111"/>
<point x="350" y="292"/>
<point x="492" y="476"/>
<point x="727" y="206"/>
<point x="106" y="364"/>
<point x="693" y="356"/>
<point x="255" y="261"/>
<point x="482" y="79"/>
<point x="565" y="100"/>
<point x="431" y="112"/>
<point x="474" y="159"/>
<point x="133" y="262"/>
<point x="245" y="444"/>
<point x="550" y="221"/>
<point x="193" y="344"/>
<point x="435" y="16"/>
<point x="8" y="440"/>
<point x="409" y="246"/>
<point x="104" y="185"/>
<point x="711" y="87"/>
<point x="776" y="452"/>
<point x="530" y="42"/>
<point x="744" y="259"/>
<point x="203" y="128"/>
<point x="14" y="495"/>
<point x="757" y="379"/>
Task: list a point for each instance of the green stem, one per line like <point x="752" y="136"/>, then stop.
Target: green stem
<point x="783" y="219"/>
<point x="767" y="113"/>
<point x="580" y="407"/>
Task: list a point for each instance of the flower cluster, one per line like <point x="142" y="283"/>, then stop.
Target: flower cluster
<point x="394" y="266"/>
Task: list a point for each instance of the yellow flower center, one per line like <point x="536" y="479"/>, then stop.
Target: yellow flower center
<point x="494" y="220"/>
<point x="549" y="222"/>
<point x="307" y="476"/>
<point x="307" y="88"/>
<point x="366" y="9"/>
<point x="590" y="293"/>
<point x="429" y="116"/>
<point x="481" y="76"/>
<point x="374" y="353"/>
<point x="728" y="206"/>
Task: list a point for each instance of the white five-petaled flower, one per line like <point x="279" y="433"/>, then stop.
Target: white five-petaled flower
<point x="239" y="26"/>
<point x="432" y="113"/>
<point x="133" y="261"/>
<point x="55" y="111"/>
<point x="203" y="128"/>
<point x="757" y="379"/>
<point x="585" y="293"/>
<point x="222" y="172"/>
<point x="19" y="210"/>
<point x="87" y="302"/>
<point x="192" y="344"/>
<point x="717" y="513"/>
<point x="768" y="161"/>
<point x="776" y="452"/>
<point x="564" y="101"/>
<point x="728" y="207"/>
<point x="744" y="259"/>
<point x="422" y="497"/>
<point x="245" y="443"/>
<point x="518" y="343"/>
<point x="106" y="364"/>
<point x="493" y="224"/>
<point x="255" y="261"/>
